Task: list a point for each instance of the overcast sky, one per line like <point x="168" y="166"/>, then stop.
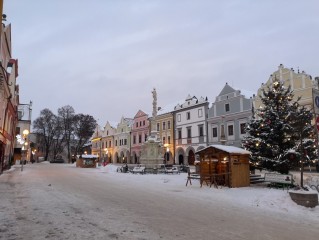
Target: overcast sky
<point x="104" y="57"/>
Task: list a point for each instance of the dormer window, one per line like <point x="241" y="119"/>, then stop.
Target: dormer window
<point x="227" y="107"/>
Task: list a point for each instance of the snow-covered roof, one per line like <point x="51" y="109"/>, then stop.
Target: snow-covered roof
<point x="229" y="149"/>
<point x="191" y="101"/>
<point x="168" y="108"/>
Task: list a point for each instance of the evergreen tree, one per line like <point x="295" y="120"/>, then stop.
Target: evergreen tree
<point x="272" y="134"/>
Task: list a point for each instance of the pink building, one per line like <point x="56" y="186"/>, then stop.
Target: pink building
<point x="139" y="135"/>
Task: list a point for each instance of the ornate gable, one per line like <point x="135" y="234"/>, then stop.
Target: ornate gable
<point x="140" y="113"/>
<point x="226" y="90"/>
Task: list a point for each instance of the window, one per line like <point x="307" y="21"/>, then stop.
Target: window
<point x="115" y="142"/>
<point x="120" y="142"/>
<point x="145" y="137"/>
<point x="179" y="133"/>
<point x="201" y="130"/>
<point x="140" y="138"/>
<point x="188" y="115"/>
<point x="164" y="125"/>
<point x="102" y="144"/>
<point x="125" y="141"/>
<point x="169" y="139"/>
<point x="110" y="144"/>
<point x="143" y="122"/>
<point x="158" y="126"/>
<point x="169" y="125"/>
<point x="163" y="140"/>
<point x="230" y="130"/>
<point x="215" y="132"/>
<point x="140" y="123"/>
<point x="227" y="107"/>
<point x="17" y="130"/>
<point x="242" y="128"/>
<point x="200" y="112"/>
<point x="137" y="124"/>
<point x="189" y="132"/>
<point x="134" y="139"/>
<point x="122" y="129"/>
<point x="178" y="117"/>
<point x="20" y="114"/>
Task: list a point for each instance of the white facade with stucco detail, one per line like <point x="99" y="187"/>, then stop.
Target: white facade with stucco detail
<point x="190" y="122"/>
<point x="122" y="141"/>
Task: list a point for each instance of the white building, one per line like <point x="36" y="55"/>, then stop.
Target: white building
<point x="190" y="122"/>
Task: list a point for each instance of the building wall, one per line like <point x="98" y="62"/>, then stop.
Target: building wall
<point x="9" y="98"/>
<point x="165" y="128"/>
<point x="300" y="82"/>
<point x="122" y="141"/>
<point x="108" y="143"/>
<point x="190" y="115"/>
<point x="139" y="135"/>
<point x="230" y="118"/>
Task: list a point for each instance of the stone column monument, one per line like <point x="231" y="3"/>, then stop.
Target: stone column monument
<point x="151" y="154"/>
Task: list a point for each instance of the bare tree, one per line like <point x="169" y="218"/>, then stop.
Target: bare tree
<point x="59" y="139"/>
<point x="66" y="114"/>
<point x="45" y="126"/>
<point x="84" y="126"/>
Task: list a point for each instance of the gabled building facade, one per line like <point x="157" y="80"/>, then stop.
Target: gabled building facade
<point x="122" y="141"/>
<point x="139" y="135"/>
<point x="108" y="143"/>
<point x="227" y="117"/>
<point x="97" y="142"/>
<point x="165" y="129"/>
<point x="300" y="82"/>
<point x="190" y="121"/>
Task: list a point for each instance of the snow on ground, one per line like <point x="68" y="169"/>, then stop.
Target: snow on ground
<point x="259" y="196"/>
<point x="256" y="196"/>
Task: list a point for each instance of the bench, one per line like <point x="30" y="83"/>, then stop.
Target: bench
<point x="140" y="170"/>
<point x="191" y="176"/>
<point x="279" y="180"/>
<point x="172" y="170"/>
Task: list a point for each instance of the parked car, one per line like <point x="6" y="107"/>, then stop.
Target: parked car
<point x="57" y="160"/>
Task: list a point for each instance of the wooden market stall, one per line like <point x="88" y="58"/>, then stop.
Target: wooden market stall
<point x="224" y="165"/>
<point x="86" y="161"/>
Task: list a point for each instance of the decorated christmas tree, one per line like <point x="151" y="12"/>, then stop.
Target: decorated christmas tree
<point x="280" y="134"/>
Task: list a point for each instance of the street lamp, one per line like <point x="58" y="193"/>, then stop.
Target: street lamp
<point x="24" y="147"/>
<point x="106" y="154"/>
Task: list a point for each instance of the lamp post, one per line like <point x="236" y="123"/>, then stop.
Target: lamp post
<point x="24" y="147"/>
<point x="106" y="154"/>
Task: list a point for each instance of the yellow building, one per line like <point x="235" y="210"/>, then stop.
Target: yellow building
<point x="165" y="129"/>
<point x="300" y="82"/>
<point x="97" y="142"/>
